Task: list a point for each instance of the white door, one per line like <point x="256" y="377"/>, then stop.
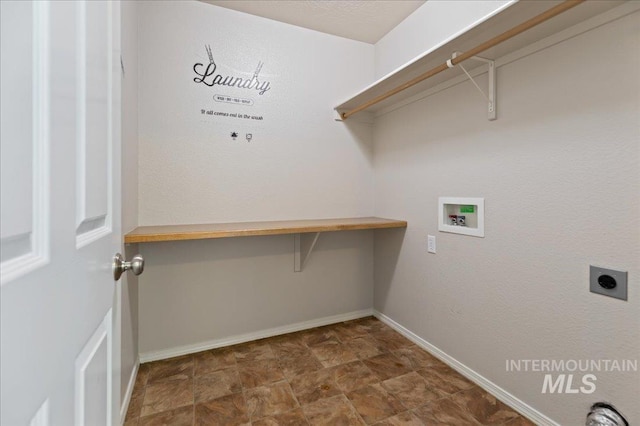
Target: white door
<point x="60" y="205"/>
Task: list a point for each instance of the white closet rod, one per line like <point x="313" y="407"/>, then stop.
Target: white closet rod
<point x="562" y="7"/>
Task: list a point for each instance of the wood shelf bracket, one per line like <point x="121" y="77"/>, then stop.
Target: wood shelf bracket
<point x="303" y="246"/>
<point x="491" y="96"/>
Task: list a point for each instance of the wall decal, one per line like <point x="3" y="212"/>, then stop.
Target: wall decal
<point x="207" y="75"/>
<point x="229" y="99"/>
<point x="204" y="73"/>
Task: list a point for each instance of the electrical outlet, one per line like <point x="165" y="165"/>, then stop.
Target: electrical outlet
<point x="608" y="282"/>
<point x="431" y="243"/>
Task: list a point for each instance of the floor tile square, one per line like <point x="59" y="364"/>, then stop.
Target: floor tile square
<point x="353" y="375"/>
<point x="519" y="421"/>
<point x="313" y="386"/>
<point x="373" y="403"/>
<point x="365" y="347"/>
<point x="417" y="357"/>
<point x="411" y="390"/>
<point x="166" y="396"/>
<point x="217" y="384"/>
<point x="216" y="359"/>
<point x="178" y="368"/>
<point x="350" y="330"/>
<point x="229" y="410"/>
<point x="446" y="384"/>
<point x="135" y="404"/>
<point x="292" y="418"/>
<point x="391" y="339"/>
<point x="178" y="417"/>
<point x="336" y="410"/>
<point x="441" y="368"/>
<point x="142" y="376"/>
<point x="484" y="407"/>
<point x="270" y="400"/>
<point x="131" y="421"/>
<point x="319" y="335"/>
<point x="253" y="351"/>
<point x="444" y="412"/>
<point x="332" y="353"/>
<point x="289" y="348"/>
<point x="403" y="419"/>
<point x="387" y="366"/>
<point x="259" y="373"/>
<point x="306" y="363"/>
<point x="371" y="324"/>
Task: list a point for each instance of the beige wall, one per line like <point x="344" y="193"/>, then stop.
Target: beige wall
<point x="128" y="284"/>
<point x="207" y="292"/>
<point x="301" y="164"/>
<point x="560" y="174"/>
<point x="428" y="27"/>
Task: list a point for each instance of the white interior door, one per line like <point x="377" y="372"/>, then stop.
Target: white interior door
<point x="60" y="207"/>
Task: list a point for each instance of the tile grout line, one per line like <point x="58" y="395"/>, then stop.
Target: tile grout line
<point x="354" y="409"/>
<point x="296" y="399"/>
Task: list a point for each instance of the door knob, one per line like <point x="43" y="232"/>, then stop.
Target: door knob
<point x="119" y="265"/>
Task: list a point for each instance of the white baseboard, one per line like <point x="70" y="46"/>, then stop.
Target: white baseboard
<point x="248" y="337"/>
<point x="495" y="390"/>
<point x="127" y="396"/>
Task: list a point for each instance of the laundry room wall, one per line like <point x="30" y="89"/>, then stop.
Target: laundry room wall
<point x="267" y="150"/>
<point x="560" y="174"/>
<point x="430" y="26"/>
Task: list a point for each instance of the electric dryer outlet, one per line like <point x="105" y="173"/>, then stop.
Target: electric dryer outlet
<point x="608" y="282"/>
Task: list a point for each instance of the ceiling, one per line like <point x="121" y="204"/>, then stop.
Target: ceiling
<point x="363" y="20"/>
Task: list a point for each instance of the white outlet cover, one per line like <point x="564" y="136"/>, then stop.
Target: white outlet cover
<point x="431" y="243"/>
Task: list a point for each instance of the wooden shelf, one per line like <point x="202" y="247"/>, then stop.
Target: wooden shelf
<point x="492" y="25"/>
<point x="148" y="234"/>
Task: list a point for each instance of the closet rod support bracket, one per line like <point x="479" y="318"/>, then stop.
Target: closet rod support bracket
<point x="303" y="246"/>
<point x="491" y="96"/>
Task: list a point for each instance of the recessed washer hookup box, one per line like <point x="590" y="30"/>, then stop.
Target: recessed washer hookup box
<point x="460" y="215"/>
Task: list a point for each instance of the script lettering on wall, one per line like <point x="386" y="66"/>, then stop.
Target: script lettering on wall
<point x="232" y="91"/>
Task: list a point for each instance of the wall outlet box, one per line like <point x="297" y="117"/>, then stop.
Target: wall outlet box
<point x="460" y="215"/>
<point x="431" y="243"/>
<point x="608" y="282"/>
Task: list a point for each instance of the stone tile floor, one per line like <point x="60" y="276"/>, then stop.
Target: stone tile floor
<point x="352" y="373"/>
